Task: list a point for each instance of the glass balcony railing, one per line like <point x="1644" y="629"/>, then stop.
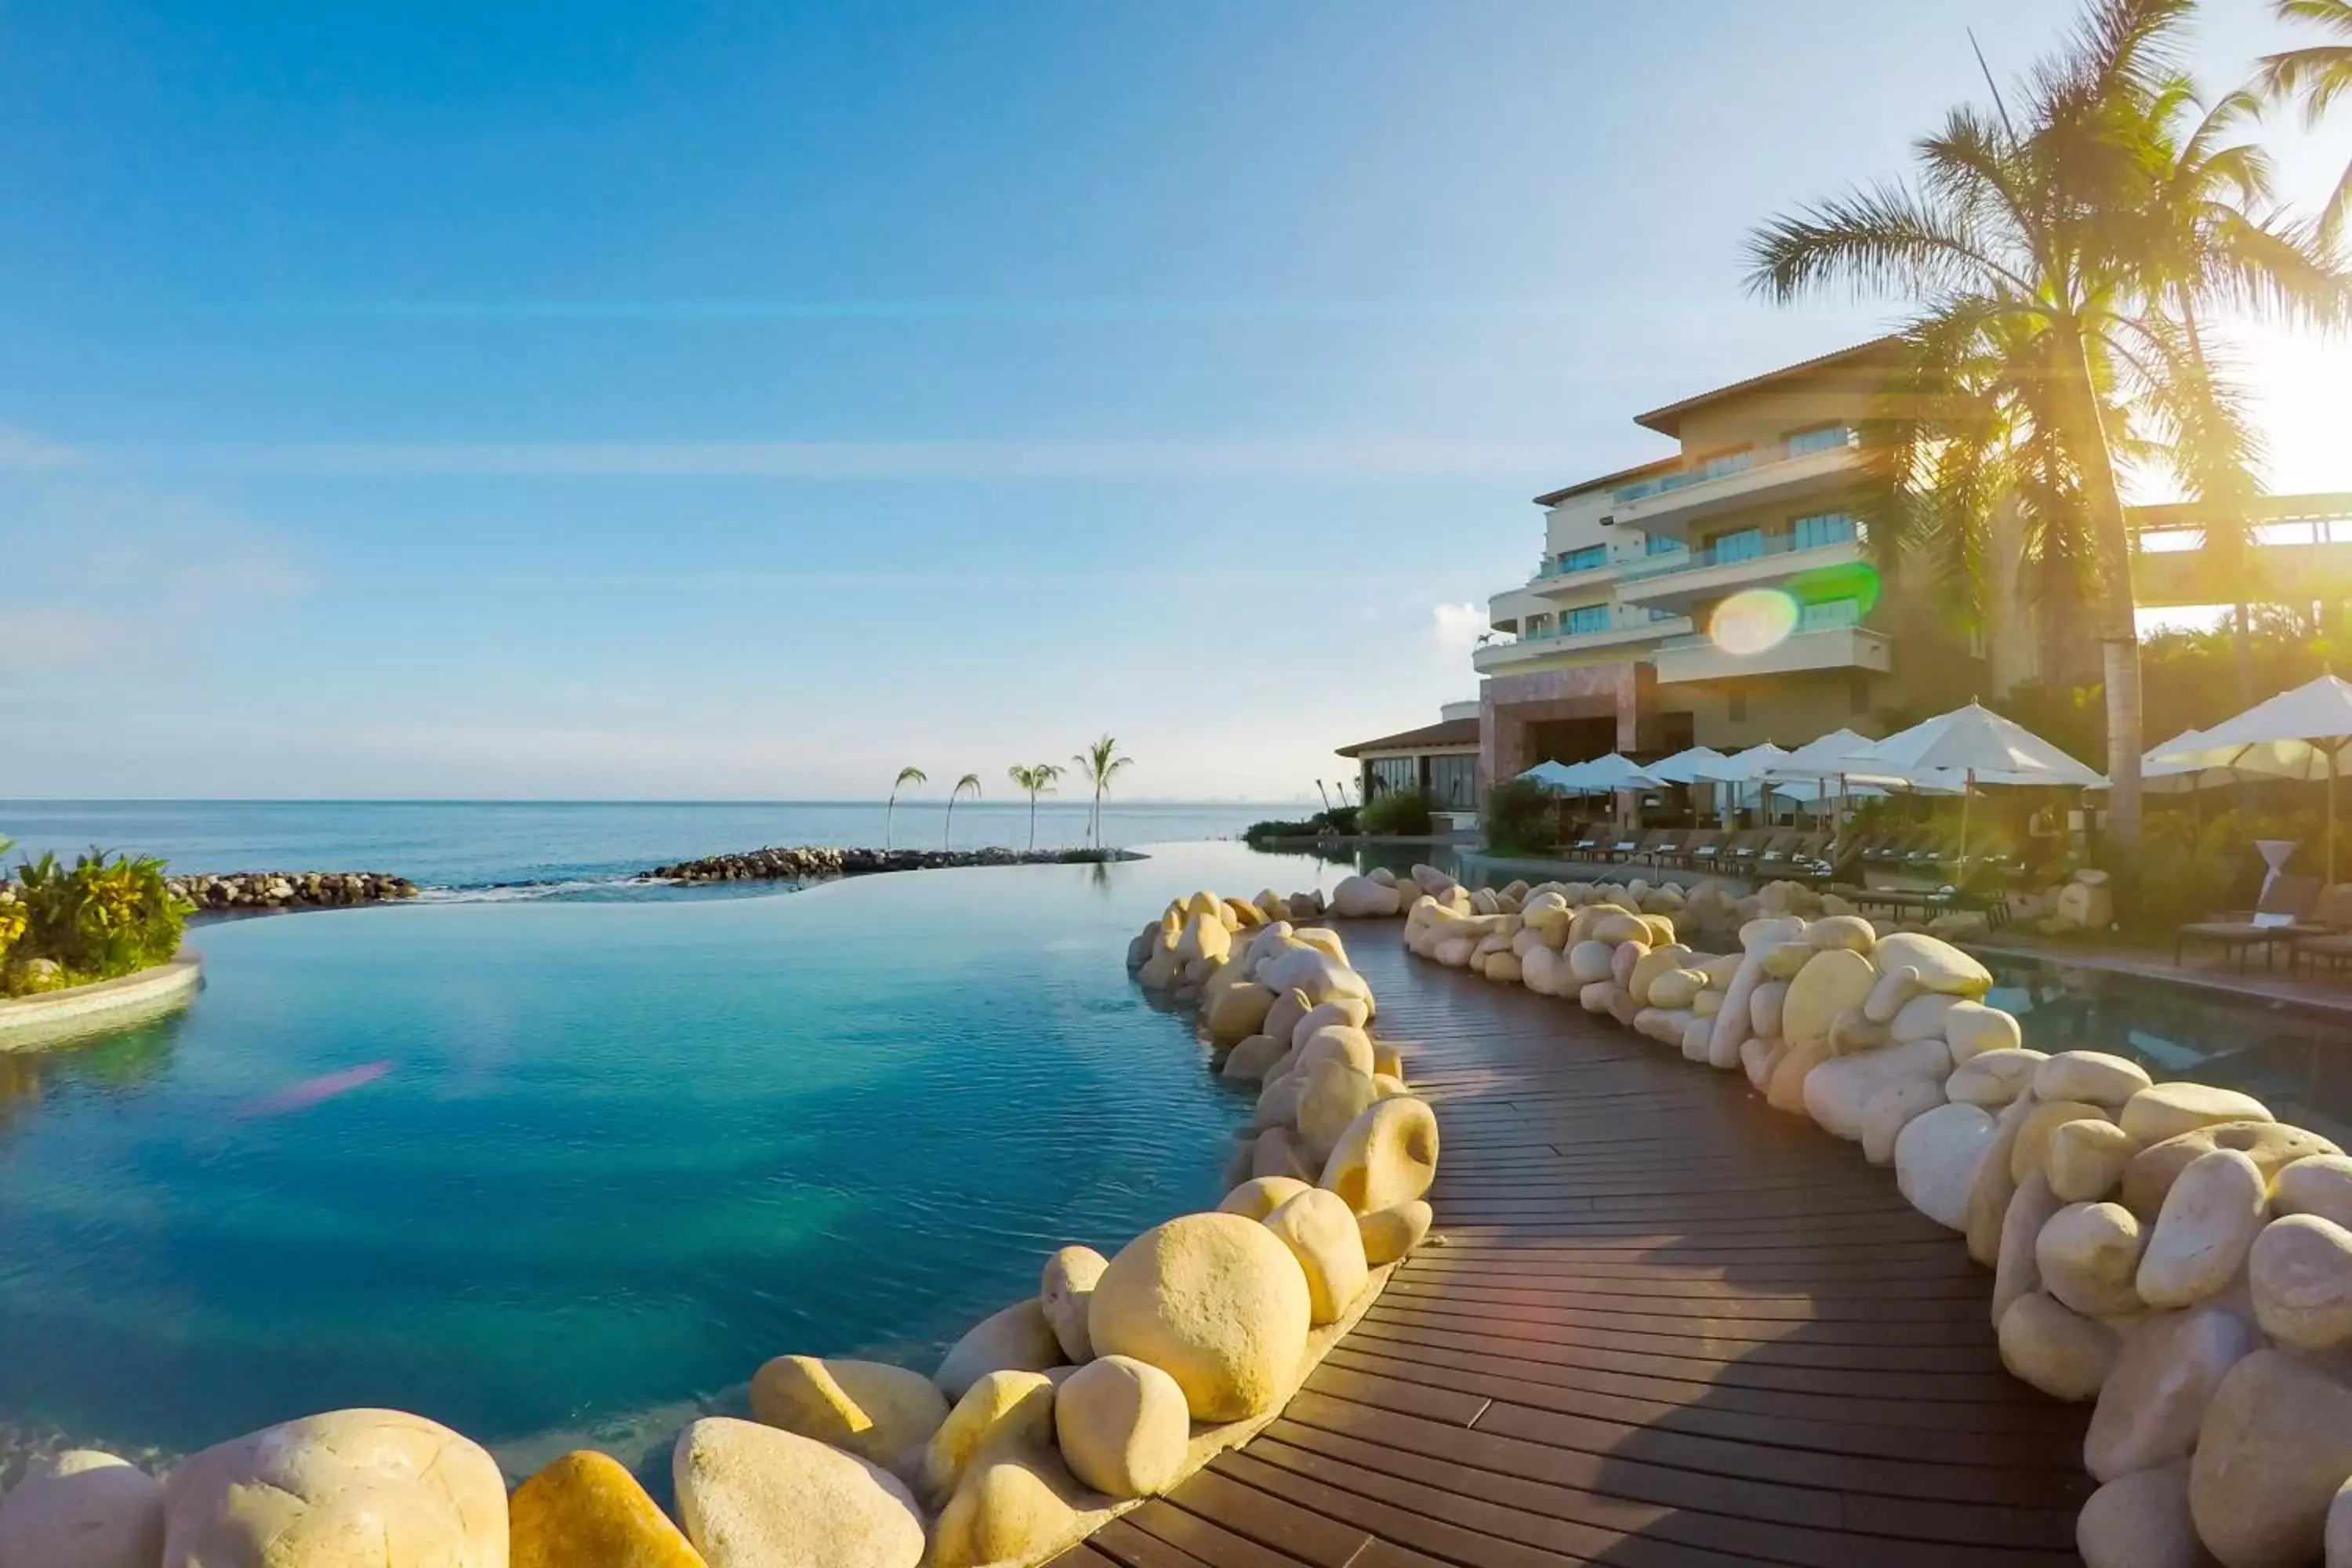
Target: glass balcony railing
<point x="1804" y="445"/>
<point x="1628" y="618"/>
<point x="1745" y="547"/>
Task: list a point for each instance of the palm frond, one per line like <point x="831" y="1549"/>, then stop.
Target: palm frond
<point x="1883" y="239"/>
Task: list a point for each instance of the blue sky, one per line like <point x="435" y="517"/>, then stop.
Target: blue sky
<point x="605" y="400"/>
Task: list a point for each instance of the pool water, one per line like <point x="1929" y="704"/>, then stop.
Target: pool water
<point x="559" y="1173"/>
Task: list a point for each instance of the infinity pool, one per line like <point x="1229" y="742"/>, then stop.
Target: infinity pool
<point x="557" y="1171"/>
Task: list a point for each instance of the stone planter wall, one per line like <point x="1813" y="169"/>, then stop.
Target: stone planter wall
<point x="1118" y="1378"/>
<point x="2169" y="1251"/>
<point x="27" y="1022"/>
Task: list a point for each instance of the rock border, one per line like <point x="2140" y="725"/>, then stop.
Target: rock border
<point x="53" y="1017"/>
<point x="2170" y="1251"/>
<point x="823" y="862"/>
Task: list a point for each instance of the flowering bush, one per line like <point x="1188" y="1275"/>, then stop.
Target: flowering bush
<point x="101" y="917"/>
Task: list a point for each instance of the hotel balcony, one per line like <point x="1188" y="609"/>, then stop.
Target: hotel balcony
<point x="1816" y="463"/>
<point x="1629" y="632"/>
<point x="1679" y="580"/>
<point x="1696" y="656"/>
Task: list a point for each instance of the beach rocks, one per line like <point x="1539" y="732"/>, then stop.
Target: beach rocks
<point x="1972" y="1028"/>
<point x="1334" y="1095"/>
<point x="753" y="1497"/>
<point x="2141" y="1520"/>
<point x="2319" y="1185"/>
<point x="2065" y="1355"/>
<point x="2300" y="1270"/>
<point x="821" y="862"/>
<point x="1123" y="1426"/>
<point x="1260" y="1195"/>
<point x="291" y="889"/>
<point x="1936" y="1159"/>
<point x="2088" y="1255"/>
<point x="2168" y="1109"/>
<point x="2155" y="1398"/>
<point x="1018" y="1339"/>
<point x="1361" y="898"/>
<point x="875" y="1411"/>
<point x="1994" y="1078"/>
<point x="1006" y="1511"/>
<point x="1830" y="983"/>
<point x="1387" y="1156"/>
<point x="2087" y="1158"/>
<point x="1320" y="1231"/>
<point x="2269" y="1145"/>
<point x="2093" y="1076"/>
<point x="1002" y="1409"/>
<point x="1942" y="968"/>
<point x="1216" y="1301"/>
<point x="1065" y="1289"/>
<point x="1391" y="1233"/>
<point x="82" y="1508"/>
<point x="586" y="1508"/>
<point x="2275" y="1446"/>
<point x="339" y="1491"/>
<point x="2208" y="1220"/>
<point x="1238" y="1011"/>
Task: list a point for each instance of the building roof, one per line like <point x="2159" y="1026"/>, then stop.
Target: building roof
<point x="1428" y="738"/>
<point x="1655" y="466"/>
<point x="1668" y="421"/>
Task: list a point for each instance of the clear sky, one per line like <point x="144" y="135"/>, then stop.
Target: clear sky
<point x="617" y="400"/>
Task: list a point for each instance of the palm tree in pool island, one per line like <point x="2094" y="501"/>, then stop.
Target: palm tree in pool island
<point x="906" y="776"/>
<point x="1036" y="780"/>
<point x="1098" y="765"/>
<point x="969" y="781"/>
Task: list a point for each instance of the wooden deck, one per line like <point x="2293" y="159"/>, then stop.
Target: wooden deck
<point x="1667" y="1326"/>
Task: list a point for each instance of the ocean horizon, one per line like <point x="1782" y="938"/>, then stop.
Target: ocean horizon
<point x="562" y="848"/>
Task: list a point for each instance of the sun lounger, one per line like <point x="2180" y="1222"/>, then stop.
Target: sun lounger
<point x="2281" y="916"/>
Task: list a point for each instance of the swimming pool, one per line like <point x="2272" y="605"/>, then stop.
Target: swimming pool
<point x="556" y="1173"/>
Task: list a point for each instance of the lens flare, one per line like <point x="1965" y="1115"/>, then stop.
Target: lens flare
<point x="1752" y="621"/>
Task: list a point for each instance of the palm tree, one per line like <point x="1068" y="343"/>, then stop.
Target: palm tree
<point x="906" y="776"/>
<point x="2049" y="266"/>
<point x="1098" y="765"/>
<point x="2318" y="74"/>
<point x="1035" y="780"/>
<point x="969" y="781"/>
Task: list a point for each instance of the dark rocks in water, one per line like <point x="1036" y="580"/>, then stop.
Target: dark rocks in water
<point x="816" y="862"/>
<point x="291" y="889"/>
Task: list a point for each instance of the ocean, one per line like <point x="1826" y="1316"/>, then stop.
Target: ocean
<point x="533" y="848"/>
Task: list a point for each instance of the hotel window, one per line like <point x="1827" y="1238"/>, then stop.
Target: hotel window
<point x="1584" y="560"/>
<point x="1745" y="545"/>
<point x="1537" y="626"/>
<point x="1385" y="773"/>
<point x="1828" y="438"/>
<point x="1659" y="544"/>
<point x="1830" y="613"/>
<point x="1586" y="618"/>
<point x="1453" y="781"/>
<point x="1821" y="528"/>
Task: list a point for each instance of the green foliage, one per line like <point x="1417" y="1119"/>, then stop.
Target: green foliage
<point x="1403" y="812"/>
<point x="1340" y="822"/>
<point x="1521" y="816"/>
<point x="103" y="916"/>
<point x="2191" y="870"/>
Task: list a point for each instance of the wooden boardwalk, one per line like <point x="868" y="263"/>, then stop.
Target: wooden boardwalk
<point x="1667" y="1326"/>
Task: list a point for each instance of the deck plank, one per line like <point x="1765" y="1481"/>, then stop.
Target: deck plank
<point x="1660" y="1325"/>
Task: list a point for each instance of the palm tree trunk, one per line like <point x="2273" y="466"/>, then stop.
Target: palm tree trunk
<point x="2242" y="652"/>
<point x="1033" y="822"/>
<point x="887" y="811"/>
<point x="947" y="834"/>
<point x="2115" y="618"/>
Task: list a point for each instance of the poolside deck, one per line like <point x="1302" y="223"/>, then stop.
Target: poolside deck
<point x="1668" y="1326"/>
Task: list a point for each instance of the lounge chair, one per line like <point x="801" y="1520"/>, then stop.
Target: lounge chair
<point x="1666" y="846"/>
<point x="1743" y="850"/>
<point x="2332" y="912"/>
<point x="1701" y="850"/>
<point x="1626" y="844"/>
<point x="2281" y="916"/>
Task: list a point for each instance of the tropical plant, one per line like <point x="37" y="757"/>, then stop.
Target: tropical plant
<point x="1098" y="765"/>
<point x="2048" y="263"/>
<point x="1401" y="811"/>
<point x="1033" y="780"/>
<point x="906" y="776"/>
<point x="102" y="917"/>
<point x="2318" y="74"/>
<point x="1521" y="815"/>
<point x="969" y="781"/>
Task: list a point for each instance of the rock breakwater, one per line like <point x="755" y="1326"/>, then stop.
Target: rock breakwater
<point x="816" y="862"/>
<point x="292" y="889"/>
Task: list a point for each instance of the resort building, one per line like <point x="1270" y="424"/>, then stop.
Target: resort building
<point x="1723" y="595"/>
<point x="1440" y="759"/>
<point x="1717" y="596"/>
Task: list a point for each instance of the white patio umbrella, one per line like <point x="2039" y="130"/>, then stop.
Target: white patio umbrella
<point x="1743" y="768"/>
<point x="1555" y="777"/>
<point x="1968" y="747"/>
<point x="1821" y="758"/>
<point x="1606" y="775"/>
<point x="1684" y="767"/>
<point x="2302" y="734"/>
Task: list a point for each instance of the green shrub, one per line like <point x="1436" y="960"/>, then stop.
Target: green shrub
<point x="102" y="917"/>
<point x="1521" y="816"/>
<point x="1339" y="820"/>
<point x="1401" y="812"/>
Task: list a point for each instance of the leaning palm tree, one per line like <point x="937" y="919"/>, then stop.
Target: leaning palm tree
<point x="2318" y="74"/>
<point x="1033" y="780"/>
<point x="906" y="776"/>
<point x="1097" y="766"/>
<point x="969" y="781"/>
<point x="2045" y="300"/>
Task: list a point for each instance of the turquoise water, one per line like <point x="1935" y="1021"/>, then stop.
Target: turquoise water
<point x="549" y="1170"/>
<point x="559" y="845"/>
